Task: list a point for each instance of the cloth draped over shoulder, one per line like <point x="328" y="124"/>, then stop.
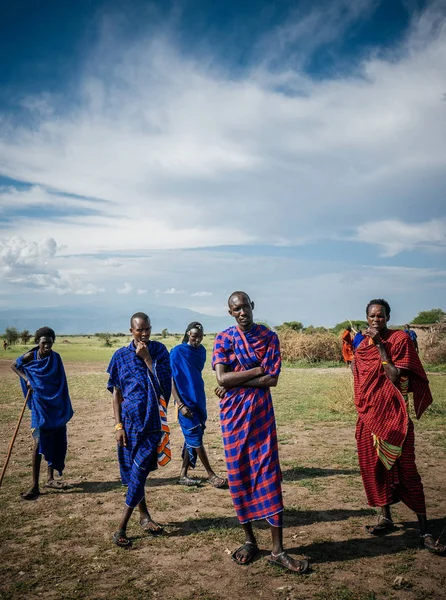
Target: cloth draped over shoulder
<point x="380" y="404"/>
<point x="347" y="346"/>
<point x="49" y="403"/>
<point x="187" y="363"/>
<point x="248" y="425"/>
<point x="144" y="414"/>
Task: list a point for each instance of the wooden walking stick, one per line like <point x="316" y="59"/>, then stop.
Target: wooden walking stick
<point x="13" y="438"/>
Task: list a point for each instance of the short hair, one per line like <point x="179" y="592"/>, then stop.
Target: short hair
<point x="139" y="315"/>
<point x="379" y="302"/>
<point x="238" y="293"/>
<point x="44" y="332"/>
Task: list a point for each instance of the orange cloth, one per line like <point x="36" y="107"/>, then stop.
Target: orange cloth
<point x="347" y="346"/>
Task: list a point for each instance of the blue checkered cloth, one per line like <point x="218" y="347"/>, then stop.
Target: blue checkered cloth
<point x="140" y="391"/>
<point x="249" y="427"/>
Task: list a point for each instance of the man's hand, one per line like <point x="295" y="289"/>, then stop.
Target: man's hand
<point x="121" y="438"/>
<point x="142" y="351"/>
<point x="186" y="412"/>
<point x="28" y="386"/>
<point x="373" y="333"/>
<point x="220" y="391"/>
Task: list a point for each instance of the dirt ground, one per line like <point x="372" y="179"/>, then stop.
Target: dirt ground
<point x="59" y="546"/>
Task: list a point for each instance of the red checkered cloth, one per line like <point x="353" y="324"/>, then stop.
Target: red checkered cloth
<point x="249" y="427"/>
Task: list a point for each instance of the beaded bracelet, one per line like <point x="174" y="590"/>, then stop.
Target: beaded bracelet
<point x="119" y="426"/>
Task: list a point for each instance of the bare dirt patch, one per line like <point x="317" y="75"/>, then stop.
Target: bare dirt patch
<point x="59" y="546"/>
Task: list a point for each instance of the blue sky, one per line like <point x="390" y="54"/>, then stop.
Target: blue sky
<point x="171" y="152"/>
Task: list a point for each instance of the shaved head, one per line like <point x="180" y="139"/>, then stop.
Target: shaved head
<point x="238" y="294"/>
<point x="139" y="315"/>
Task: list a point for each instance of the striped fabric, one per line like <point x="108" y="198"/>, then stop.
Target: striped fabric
<point x="248" y="426"/>
<point x="144" y="414"/>
<point x="164" y="452"/>
<point x="384" y="432"/>
<point x="401" y="483"/>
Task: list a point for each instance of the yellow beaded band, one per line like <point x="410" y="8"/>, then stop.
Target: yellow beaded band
<point x="119" y="426"/>
<point x="384" y="362"/>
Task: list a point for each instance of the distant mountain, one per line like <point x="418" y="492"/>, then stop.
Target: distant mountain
<point x="93" y="319"/>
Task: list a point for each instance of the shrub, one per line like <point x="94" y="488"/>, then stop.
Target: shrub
<point x="312" y="348"/>
<point x="25" y="336"/>
<point x="427" y="317"/>
<point x="12" y="335"/>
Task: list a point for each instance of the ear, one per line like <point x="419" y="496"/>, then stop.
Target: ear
<point x="252" y="304"/>
<point x="230" y="312"/>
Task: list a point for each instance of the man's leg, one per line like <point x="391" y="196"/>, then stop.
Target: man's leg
<point x="214" y="479"/>
<point x="34" y="491"/>
<point x="246" y="552"/>
<point x="185" y="465"/>
<point x="146" y="521"/>
<point x="280" y="558"/>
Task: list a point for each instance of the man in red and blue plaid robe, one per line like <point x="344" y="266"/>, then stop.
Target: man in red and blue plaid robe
<point x="247" y="364"/>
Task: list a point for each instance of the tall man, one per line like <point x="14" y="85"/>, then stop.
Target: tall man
<point x="247" y="364"/>
<point x="140" y="380"/>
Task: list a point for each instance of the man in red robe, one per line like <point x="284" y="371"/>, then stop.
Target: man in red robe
<point x="386" y="368"/>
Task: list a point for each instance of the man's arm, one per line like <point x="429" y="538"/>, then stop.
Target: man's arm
<point x="26" y="359"/>
<point x="184" y="410"/>
<point x="230" y="379"/>
<point x="121" y="437"/>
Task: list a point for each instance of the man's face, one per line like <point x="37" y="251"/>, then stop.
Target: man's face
<point x="195" y="337"/>
<point x="240" y="308"/>
<point x="141" y="330"/>
<point x="376" y="317"/>
<point x="45" y="345"/>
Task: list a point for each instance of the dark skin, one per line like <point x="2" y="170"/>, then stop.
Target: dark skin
<point x="195" y="338"/>
<point x="377" y="320"/>
<point x="241" y="308"/>
<point x="45" y="345"/>
<point x="140" y="330"/>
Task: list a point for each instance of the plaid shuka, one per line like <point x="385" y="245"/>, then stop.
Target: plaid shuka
<point x="145" y="397"/>
<point x="383" y="417"/>
<point x="249" y="427"/>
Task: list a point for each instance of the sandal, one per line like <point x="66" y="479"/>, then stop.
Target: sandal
<point x="218" y="482"/>
<point x="435" y="548"/>
<point x="189" y="481"/>
<point x="121" y="540"/>
<point x="251" y="550"/>
<point x="58" y="485"/>
<point x="286" y="562"/>
<point x="155" y="531"/>
<point x="383" y="527"/>
<point x="31" y="494"/>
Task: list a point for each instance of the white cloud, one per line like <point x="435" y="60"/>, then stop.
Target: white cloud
<point x="201" y="294"/>
<point x="172" y="139"/>
<point x="396" y="236"/>
<point x="127" y="289"/>
<point x="141" y="292"/>
<point x="172" y="291"/>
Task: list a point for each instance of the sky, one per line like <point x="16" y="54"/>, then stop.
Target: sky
<point x="169" y="153"/>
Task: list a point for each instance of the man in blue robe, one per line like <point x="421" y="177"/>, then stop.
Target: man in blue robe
<point x="140" y="380"/>
<point x="42" y="372"/>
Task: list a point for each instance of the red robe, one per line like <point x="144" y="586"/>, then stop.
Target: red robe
<point x="382" y="411"/>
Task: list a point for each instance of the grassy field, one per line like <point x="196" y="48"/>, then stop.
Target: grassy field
<point x="59" y="546"/>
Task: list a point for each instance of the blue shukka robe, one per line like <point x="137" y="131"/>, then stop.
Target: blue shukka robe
<point x="187" y="364"/>
<point x="49" y="403"/>
<point x="140" y="412"/>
